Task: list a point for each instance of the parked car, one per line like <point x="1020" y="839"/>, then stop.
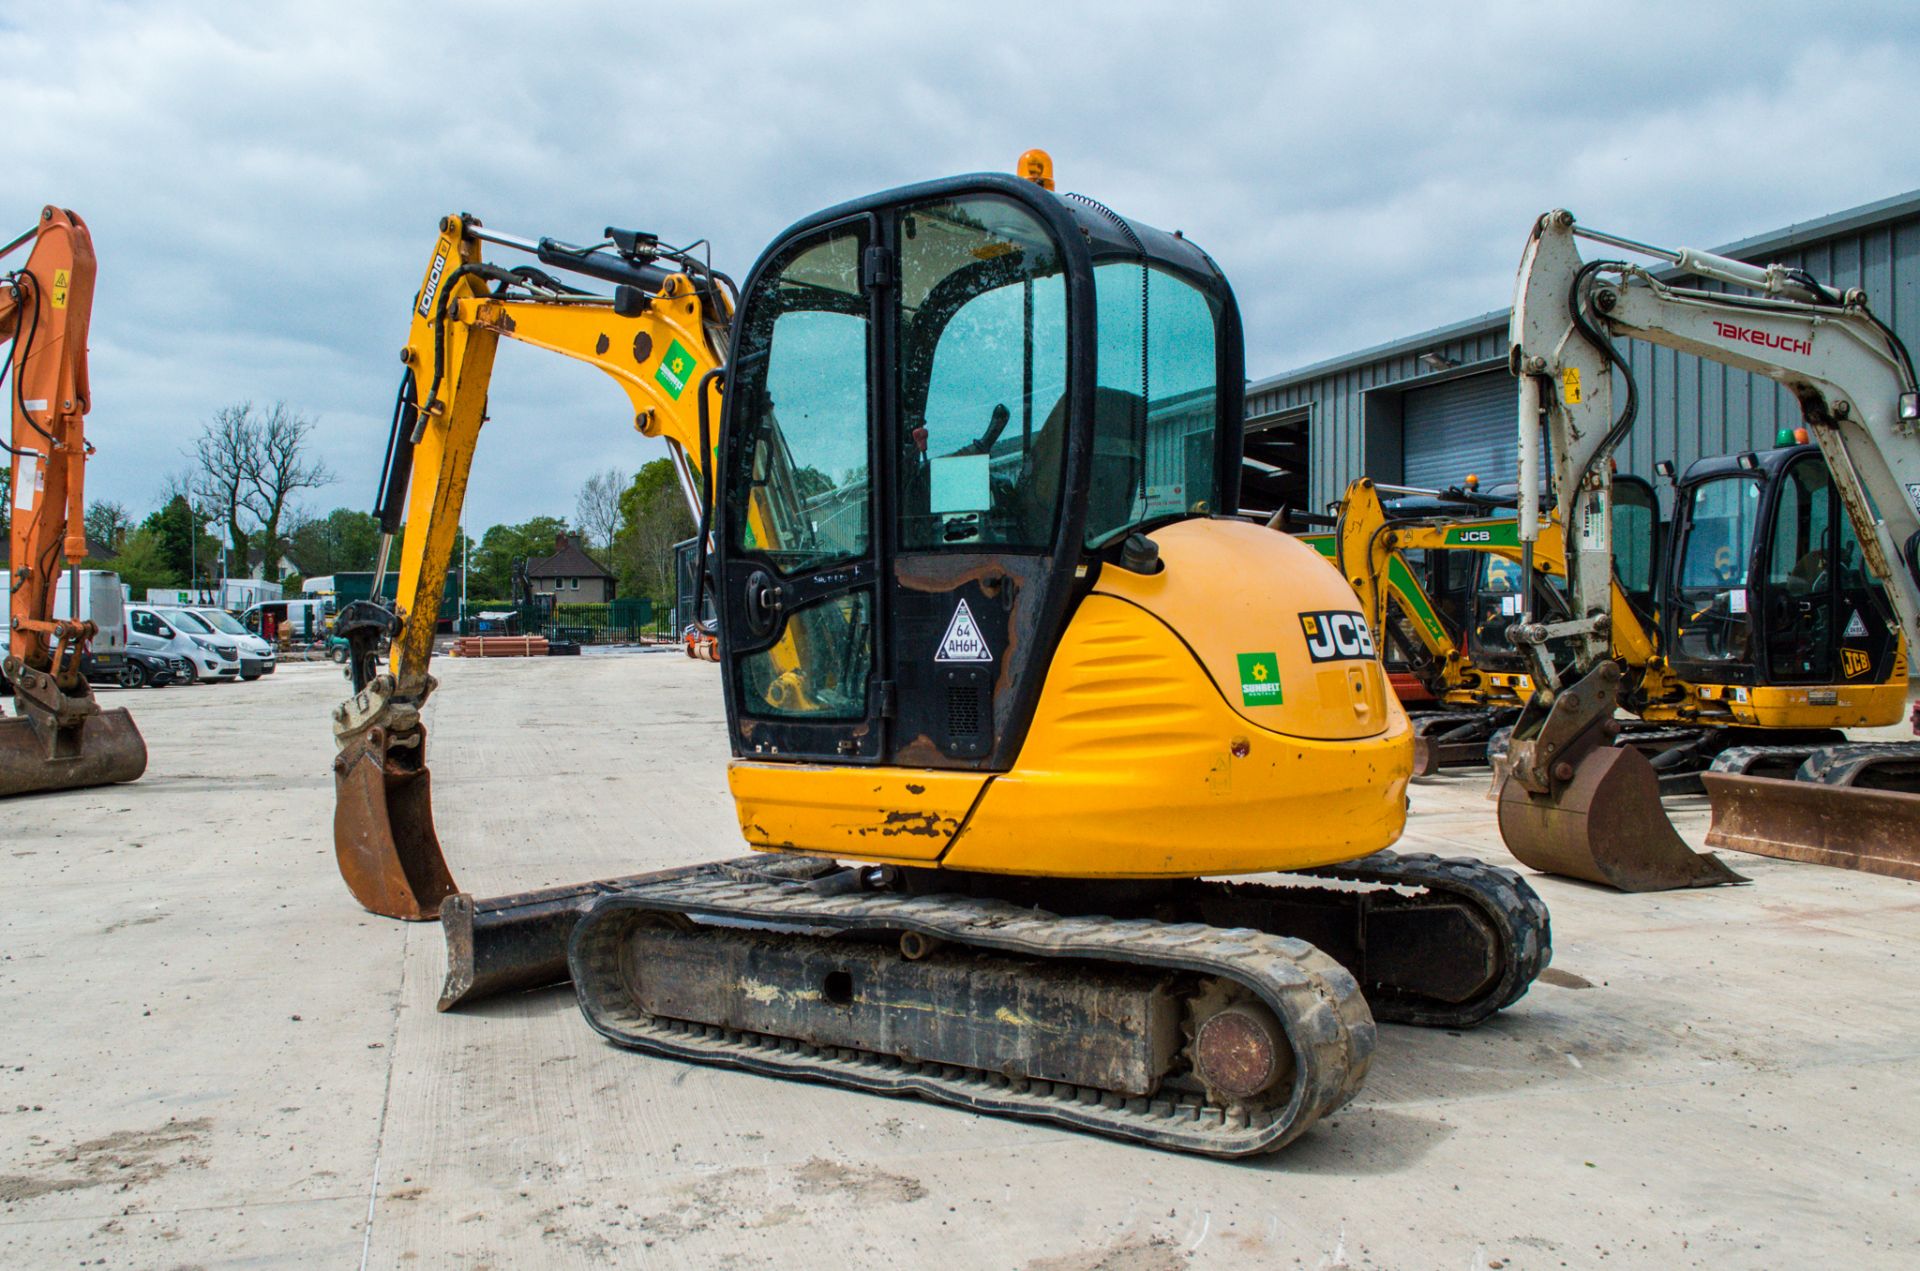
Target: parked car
<point x="140" y="668"/>
<point x="257" y="657"/>
<point x="208" y="655"/>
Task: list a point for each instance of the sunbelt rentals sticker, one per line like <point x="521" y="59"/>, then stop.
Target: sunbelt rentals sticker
<point x="1259" y="679"/>
<point x="676" y="368"/>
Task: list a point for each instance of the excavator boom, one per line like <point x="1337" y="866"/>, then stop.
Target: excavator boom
<point x="659" y="337"/>
<point x="59" y="739"/>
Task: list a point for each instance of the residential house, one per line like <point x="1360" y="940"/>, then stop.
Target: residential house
<point x="570" y="576"/>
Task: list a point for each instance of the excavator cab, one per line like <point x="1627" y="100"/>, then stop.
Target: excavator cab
<point x="949" y="406"/>
<point x="1769" y="602"/>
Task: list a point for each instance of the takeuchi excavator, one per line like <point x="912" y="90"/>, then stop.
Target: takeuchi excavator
<point x="1790" y="578"/>
<point x="59" y="737"/>
<point x="1001" y="707"/>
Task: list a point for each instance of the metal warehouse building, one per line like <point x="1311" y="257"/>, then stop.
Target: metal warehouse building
<point x="1431" y="408"/>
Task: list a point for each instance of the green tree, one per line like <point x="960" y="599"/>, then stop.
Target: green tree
<point x="653" y="517"/>
<point x="343" y="539"/>
<point x="181" y="541"/>
<point x="142" y="562"/>
<point x="493" y="556"/>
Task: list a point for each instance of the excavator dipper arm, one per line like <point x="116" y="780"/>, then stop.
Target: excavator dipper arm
<point x="659" y="337"/>
<point x="60" y="739"/>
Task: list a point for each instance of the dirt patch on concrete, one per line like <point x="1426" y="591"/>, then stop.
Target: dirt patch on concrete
<point x="122" y="1158"/>
<point x="1139" y="1253"/>
<point x="820" y="1176"/>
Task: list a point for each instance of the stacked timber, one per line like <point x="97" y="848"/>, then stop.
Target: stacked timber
<point x="500" y="646"/>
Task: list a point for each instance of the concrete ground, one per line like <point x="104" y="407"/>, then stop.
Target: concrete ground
<point x="212" y="1057"/>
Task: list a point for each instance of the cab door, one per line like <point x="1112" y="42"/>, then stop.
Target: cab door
<point x="802" y="618"/>
<point x="1824" y="620"/>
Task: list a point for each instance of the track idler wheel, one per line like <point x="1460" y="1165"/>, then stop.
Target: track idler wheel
<point x="1574" y="804"/>
<point x="383" y="833"/>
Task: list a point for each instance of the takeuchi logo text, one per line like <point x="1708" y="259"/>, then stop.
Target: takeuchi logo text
<point x="1765" y="339"/>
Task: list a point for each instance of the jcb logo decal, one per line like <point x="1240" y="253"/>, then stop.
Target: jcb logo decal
<point x="1332" y="634"/>
<point x="1855" y="662"/>
<point x="1476" y="536"/>
<point x="432" y="290"/>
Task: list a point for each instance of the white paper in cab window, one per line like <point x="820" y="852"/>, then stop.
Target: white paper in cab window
<point x="961" y="483"/>
<point x="1737" y="600"/>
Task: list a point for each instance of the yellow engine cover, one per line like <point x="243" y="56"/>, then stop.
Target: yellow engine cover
<point x="1185" y="728"/>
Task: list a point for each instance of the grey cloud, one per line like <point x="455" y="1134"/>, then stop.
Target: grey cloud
<point x="263" y="180"/>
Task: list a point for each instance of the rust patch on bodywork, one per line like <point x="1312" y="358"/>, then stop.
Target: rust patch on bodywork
<point x="927" y="824"/>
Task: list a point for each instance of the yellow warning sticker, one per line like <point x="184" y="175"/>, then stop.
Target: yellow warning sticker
<point x="62" y="279"/>
<point x="1570" y="385"/>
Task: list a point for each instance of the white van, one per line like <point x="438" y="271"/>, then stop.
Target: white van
<point x="101" y="604"/>
<point x="208" y="656"/>
<point x="257" y="657"/>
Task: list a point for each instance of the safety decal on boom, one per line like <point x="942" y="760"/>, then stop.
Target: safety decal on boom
<point x="62" y="280"/>
<point x="963" y="641"/>
<point x="1333" y="634"/>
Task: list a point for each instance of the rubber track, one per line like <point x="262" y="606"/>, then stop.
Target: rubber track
<point x="1504" y="900"/>
<point x="1835" y="763"/>
<point x="1324" y="1013"/>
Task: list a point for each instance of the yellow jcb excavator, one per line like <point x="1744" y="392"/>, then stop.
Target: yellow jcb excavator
<point x="997" y="704"/>
<point x="59" y="738"/>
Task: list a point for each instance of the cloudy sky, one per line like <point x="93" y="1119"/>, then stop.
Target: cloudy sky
<point x="263" y="180"/>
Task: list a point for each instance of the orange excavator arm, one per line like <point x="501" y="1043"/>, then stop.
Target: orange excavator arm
<point x="60" y="738"/>
<point x="45" y="306"/>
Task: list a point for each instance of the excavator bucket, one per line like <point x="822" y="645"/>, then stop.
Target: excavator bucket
<point x="1607" y="826"/>
<point x="383" y="835"/>
<point x="101" y="748"/>
<point x="1851" y="827"/>
<point x="1573" y="803"/>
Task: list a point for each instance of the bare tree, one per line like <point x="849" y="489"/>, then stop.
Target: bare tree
<point x="279" y="469"/>
<point x="597" y="511"/>
<point x="223" y="462"/>
<point x="108" y="524"/>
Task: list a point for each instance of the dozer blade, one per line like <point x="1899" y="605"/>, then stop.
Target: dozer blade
<point x="100" y="749"/>
<point x="383" y="833"/>
<point x="1850" y="827"/>
<point x="1606" y="826"/>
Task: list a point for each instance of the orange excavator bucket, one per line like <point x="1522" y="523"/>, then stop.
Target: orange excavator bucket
<point x="1573" y="803"/>
<point x="383" y="834"/>
<point x="62" y="740"/>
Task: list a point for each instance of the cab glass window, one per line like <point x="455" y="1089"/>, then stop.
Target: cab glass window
<point x="798" y="492"/>
<point x="1156" y="410"/>
<point x="1711" y="598"/>
<point x="983" y="376"/>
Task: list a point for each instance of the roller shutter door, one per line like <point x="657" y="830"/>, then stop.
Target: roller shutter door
<point x="1462" y="426"/>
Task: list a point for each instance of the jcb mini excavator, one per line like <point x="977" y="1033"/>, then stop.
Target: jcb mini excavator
<point x="1437" y="573"/>
<point x="997" y="704"/>
<point x="59" y="738"/>
<point x="1794" y="585"/>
